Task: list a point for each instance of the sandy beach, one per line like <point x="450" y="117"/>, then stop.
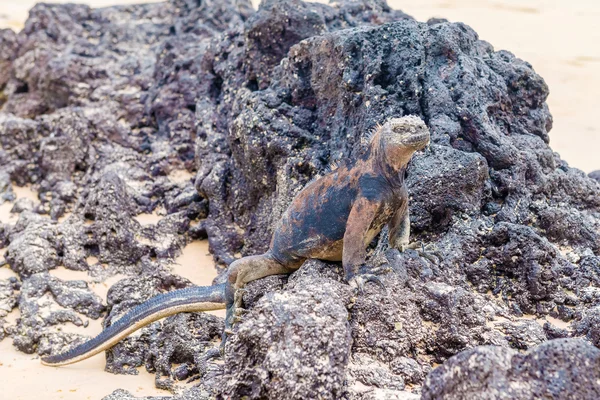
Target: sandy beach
<point x="558" y="37"/>
<point x="87" y="379"/>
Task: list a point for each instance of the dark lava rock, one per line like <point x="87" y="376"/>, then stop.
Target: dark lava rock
<point x="133" y="352"/>
<point x="527" y="268"/>
<point x="558" y="369"/>
<point x="8" y="295"/>
<point x="446" y="182"/>
<point x="8" y="300"/>
<point x="172" y="349"/>
<point x="8" y="47"/>
<point x="365" y="370"/>
<point x="388" y="324"/>
<point x="120" y="394"/>
<point x="102" y="109"/>
<point x="46" y="301"/>
<point x="589" y="326"/>
<point x="32" y="245"/>
<point x="195" y="393"/>
<point x="525" y="334"/>
<point x="183" y="340"/>
<point x="21" y="205"/>
<point x="457" y="318"/>
<point x="109" y="205"/>
<point x="408" y="369"/>
<point x="292" y="344"/>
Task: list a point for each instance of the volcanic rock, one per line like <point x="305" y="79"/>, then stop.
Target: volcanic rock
<point x="100" y="109"/>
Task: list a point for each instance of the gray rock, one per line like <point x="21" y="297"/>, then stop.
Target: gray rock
<point x="558" y="369"/>
<point x="386" y="325"/>
<point x="526" y="264"/>
<point x="457" y="318"/>
<point x="46" y="301"/>
<point x="409" y="369"/>
<point x="296" y="344"/>
<point x="8" y="295"/>
<point x="8" y="300"/>
<point x="524" y="335"/>
<point x="8" y="48"/>
<point x="21" y="205"/>
<point x="183" y="340"/>
<point x="373" y="374"/>
<point x="195" y="393"/>
<point x="457" y="178"/>
<point x="99" y="107"/>
<point x="589" y="326"/>
<point x="135" y="351"/>
<point x="32" y="245"/>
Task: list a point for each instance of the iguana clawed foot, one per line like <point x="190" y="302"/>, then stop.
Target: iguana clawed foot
<point x="233" y="316"/>
<point x="358" y="281"/>
<point x="428" y="251"/>
<point x="238" y="314"/>
<point x="238" y="311"/>
<point x="238" y="297"/>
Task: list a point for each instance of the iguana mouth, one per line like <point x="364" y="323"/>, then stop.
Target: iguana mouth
<point x="411" y="131"/>
<point x="417" y="140"/>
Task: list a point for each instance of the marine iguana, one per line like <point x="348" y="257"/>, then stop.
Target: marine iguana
<point x="333" y="218"/>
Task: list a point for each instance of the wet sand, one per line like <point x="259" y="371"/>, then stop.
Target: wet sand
<point x="23" y="376"/>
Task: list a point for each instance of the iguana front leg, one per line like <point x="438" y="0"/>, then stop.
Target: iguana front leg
<point x="399" y="229"/>
<point x="399" y="235"/>
<point x="354" y="250"/>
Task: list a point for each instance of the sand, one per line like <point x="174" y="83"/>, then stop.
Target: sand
<point x="22" y="377"/>
<point x="559" y="38"/>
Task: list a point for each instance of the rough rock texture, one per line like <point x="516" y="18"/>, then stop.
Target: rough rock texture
<point x="294" y="343"/>
<point x="560" y="369"/>
<point x="589" y="326"/>
<point x="46" y="301"/>
<point x="8" y="301"/>
<point x="102" y="111"/>
<point x="182" y="339"/>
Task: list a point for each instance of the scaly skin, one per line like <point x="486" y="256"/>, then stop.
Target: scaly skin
<point x="161" y="306"/>
<point x="333" y="218"/>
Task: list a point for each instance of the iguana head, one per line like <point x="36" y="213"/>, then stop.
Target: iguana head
<point x="399" y="138"/>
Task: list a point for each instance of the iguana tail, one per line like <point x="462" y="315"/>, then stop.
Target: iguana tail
<point x="198" y="298"/>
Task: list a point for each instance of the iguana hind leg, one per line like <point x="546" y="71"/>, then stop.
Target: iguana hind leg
<point x="240" y="272"/>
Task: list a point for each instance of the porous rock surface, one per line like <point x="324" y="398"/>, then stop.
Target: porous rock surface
<point x="102" y="109"/>
<point x="560" y="369"/>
